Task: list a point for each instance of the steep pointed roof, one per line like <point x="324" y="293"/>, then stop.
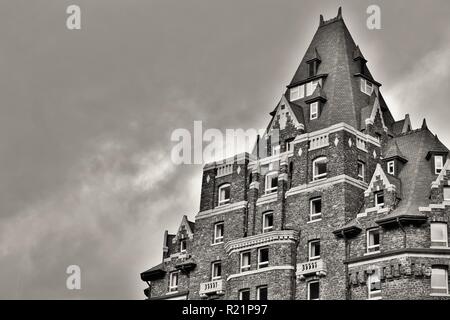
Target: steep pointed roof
<point x="357" y="54"/>
<point x="417" y="174"/>
<point x="393" y="150"/>
<point x="341" y="76"/>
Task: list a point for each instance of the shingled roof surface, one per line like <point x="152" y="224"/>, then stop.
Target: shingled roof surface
<point x="336" y="47"/>
<point x="417" y="174"/>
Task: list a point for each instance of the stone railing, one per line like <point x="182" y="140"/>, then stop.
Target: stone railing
<point x="316" y="267"/>
<point x="212" y="287"/>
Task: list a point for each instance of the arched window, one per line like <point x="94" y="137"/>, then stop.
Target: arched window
<point x="320" y="168"/>
<point x="224" y="194"/>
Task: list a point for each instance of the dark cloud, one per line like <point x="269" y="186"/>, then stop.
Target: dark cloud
<point x="86" y="117"/>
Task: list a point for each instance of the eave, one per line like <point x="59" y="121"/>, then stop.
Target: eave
<point x="152" y="275"/>
<point x="299" y="83"/>
<point x="347" y="232"/>
<point x="399" y="219"/>
<point x="368" y="79"/>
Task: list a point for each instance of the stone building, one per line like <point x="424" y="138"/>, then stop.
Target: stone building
<point x="338" y="201"/>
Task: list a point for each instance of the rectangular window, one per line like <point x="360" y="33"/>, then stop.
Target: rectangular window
<point x="183" y="246"/>
<point x="439" y="237"/>
<point x="311" y="87"/>
<point x="271" y="182"/>
<point x="173" y="281"/>
<point x="313" y="290"/>
<point x="224" y="194"/>
<point x="297" y="93"/>
<point x="439" y="280"/>
<point x="320" y="168"/>
<point x="366" y="87"/>
<point x="289" y="145"/>
<point x="314" y="110"/>
<point x="245" y="261"/>
<point x="374" y="285"/>
<point x="361" y="171"/>
<point x="373" y="240"/>
<point x="391" y="167"/>
<point x="262" y="293"/>
<point x="275" y="150"/>
<point x="267" y="222"/>
<point x="316" y="209"/>
<point x="314" y="250"/>
<point x="263" y="257"/>
<point x="244" y="294"/>
<point x="218" y="232"/>
<point x="446" y="193"/>
<point x="438" y="164"/>
<point x="379" y="199"/>
<point x="216" y="270"/>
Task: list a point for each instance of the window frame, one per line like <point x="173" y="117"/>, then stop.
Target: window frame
<point x="246" y="290"/>
<point x="315" y="216"/>
<point x="309" y="289"/>
<point x="314" y="115"/>
<point x="443" y="193"/>
<point x="438" y="168"/>
<point x="258" y="293"/>
<point x="445" y="234"/>
<point x="376" y="247"/>
<point x="362" y="164"/>
<point x="213" y="265"/>
<point x="244" y="268"/>
<point x="264" y="227"/>
<point x="439" y="289"/>
<point x="173" y="288"/>
<point x="375" y="294"/>
<point x="391" y="167"/>
<point x="276" y="150"/>
<point x="316" y="176"/>
<point x="367" y="84"/>
<point x="271" y="189"/>
<point x="264" y="264"/>
<point x="310" y="246"/>
<point x="219" y="239"/>
<point x="183" y="248"/>
<point x="377" y="204"/>
<point x="220" y="201"/>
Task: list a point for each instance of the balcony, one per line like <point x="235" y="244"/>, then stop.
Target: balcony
<point x="311" y="268"/>
<point x="212" y="287"/>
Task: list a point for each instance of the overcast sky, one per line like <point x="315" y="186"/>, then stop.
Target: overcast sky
<point x="86" y="116"/>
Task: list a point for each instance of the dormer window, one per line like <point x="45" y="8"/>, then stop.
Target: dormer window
<point x="314" y="110"/>
<point x="313" y="66"/>
<point x="224" y="194"/>
<point x="438" y="164"/>
<point x="366" y="87"/>
<point x="391" y="167"/>
<point x="297" y="93"/>
<point x="183" y="246"/>
<point x="311" y="87"/>
<point x="379" y="199"/>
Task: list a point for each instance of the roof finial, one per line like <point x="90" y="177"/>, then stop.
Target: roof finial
<point x="424" y="124"/>
<point x="339" y="16"/>
<point x="321" y="20"/>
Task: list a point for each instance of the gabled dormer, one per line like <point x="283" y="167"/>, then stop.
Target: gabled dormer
<point x="314" y="63"/>
<point x="358" y="56"/>
<point x="437" y="152"/>
<point x="384" y="191"/>
<point x="184" y="236"/>
<point x="316" y="102"/>
<point x="393" y="160"/>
